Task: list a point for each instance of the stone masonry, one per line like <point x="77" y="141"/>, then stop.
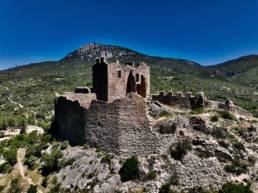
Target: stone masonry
<point x="187" y="101"/>
<point x="112" y="81"/>
<point x="114" y="116"/>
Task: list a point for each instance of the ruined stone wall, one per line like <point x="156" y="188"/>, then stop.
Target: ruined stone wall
<point x="179" y="100"/>
<point x="110" y="80"/>
<point x="121" y="127"/>
<point x="100" y="80"/>
<point x="117" y="84"/>
<point x="118" y="78"/>
<point x="69" y="120"/>
<point x="135" y="132"/>
<point x="143" y="69"/>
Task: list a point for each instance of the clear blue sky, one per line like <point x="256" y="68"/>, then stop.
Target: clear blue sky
<point x="206" y="31"/>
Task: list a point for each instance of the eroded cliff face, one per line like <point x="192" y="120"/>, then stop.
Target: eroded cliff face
<point x="121" y="127"/>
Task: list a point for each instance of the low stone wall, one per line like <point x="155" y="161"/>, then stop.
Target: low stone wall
<point x="180" y="100"/>
<point x="121" y="127"/>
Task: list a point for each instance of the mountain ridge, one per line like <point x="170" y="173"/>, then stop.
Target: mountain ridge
<point x="91" y="51"/>
<point x="29" y="84"/>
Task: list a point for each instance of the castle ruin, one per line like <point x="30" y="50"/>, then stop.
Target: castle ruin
<point x="113" y="114"/>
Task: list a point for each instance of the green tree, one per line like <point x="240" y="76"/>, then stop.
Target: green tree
<point x="130" y="169"/>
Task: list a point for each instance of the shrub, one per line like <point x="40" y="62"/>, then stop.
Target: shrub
<point x="34" y="150"/>
<point x="198" y="190"/>
<point x="68" y="162"/>
<point x="197" y="111"/>
<point x="10" y="155"/>
<point x="214" y="118"/>
<point x="220" y="133"/>
<point x="223" y="143"/>
<point x="51" y="162"/>
<point x="106" y="158"/>
<point x="227" y="115"/>
<point x="152" y="175"/>
<point x="32" y="189"/>
<point x="237" y="167"/>
<point x="164" y="113"/>
<point x="64" y="145"/>
<point x="181" y="149"/>
<point x="235" y="188"/>
<point x="174" y="179"/>
<point x="44" y="182"/>
<point x="167" y="127"/>
<point x="130" y="169"/>
<point x="252" y="160"/>
<point x="14" y="186"/>
<point x="31" y="162"/>
<point x="5" y="168"/>
<point x="238" y="146"/>
<point x="56" y="189"/>
<point x="165" y="188"/>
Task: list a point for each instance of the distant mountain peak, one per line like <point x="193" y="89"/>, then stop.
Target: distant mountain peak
<point x="92" y="51"/>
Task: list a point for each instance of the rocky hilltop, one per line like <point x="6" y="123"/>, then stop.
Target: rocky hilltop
<point x="92" y="51"/>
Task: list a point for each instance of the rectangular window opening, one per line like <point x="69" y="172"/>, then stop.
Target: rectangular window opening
<point x="119" y="73"/>
<point x="137" y="77"/>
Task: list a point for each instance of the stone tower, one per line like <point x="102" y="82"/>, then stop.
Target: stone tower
<point x="112" y="81"/>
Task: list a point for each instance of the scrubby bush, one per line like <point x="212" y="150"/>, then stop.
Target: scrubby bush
<point x="220" y="133"/>
<point x="130" y="169"/>
<point x="14" y="186"/>
<point x="5" y="168"/>
<point x="44" y="182"/>
<point x="64" y="145"/>
<point x="214" y="118"/>
<point x="198" y="190"/>
<point x="106" y="158"/>
<point x="165" y="188"/>
<point x="32" y="189"/>
<point x="237" y="145"/>
<point x="252" y="160"/>
<point x="68" y="162"/>
<point x="174" y="179"/>
<point x="164" y="113"/>
<point x="152" y="175"/>
<point x="237" y="167"/>
<point x="51" y="162"/>
<point x="235" y="188"/>
<point x="3" y="123"/>
<point x="56" y="189"/>
<point x="31" y="162"/>
<point x="197" y="111"/>
<point x="181" y="149"/>
<point x="227" y="115"/>
<point x="223" y="143"/>
<point x="10" y="155"/>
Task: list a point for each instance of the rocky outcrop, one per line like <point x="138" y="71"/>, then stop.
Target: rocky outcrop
<point x="94" y="50"/>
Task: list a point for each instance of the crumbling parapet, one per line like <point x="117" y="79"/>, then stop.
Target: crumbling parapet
<point x="187" y="100"/>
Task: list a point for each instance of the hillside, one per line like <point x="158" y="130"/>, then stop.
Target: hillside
<point x="209" y="151"/>
<point x="27" y="92"/>
<point x="242" y="70"/>
<point x="237" y="66"/>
